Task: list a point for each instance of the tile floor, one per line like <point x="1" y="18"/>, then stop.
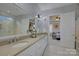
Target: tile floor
<point x="54" y="49"/>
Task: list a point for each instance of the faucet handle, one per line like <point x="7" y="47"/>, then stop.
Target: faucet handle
<point x="12" y="40"/>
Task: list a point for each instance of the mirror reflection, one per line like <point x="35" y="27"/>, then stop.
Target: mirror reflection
<point x="6" y="26"/>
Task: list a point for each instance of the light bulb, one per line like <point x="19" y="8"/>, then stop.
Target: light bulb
<point x="57" y="19"/>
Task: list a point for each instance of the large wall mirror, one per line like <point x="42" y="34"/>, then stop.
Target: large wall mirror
<point x="13" y="25"/>
<point x="6" y="26"/>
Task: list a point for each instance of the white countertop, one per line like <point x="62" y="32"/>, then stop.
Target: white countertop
<point x="14" y="48"/>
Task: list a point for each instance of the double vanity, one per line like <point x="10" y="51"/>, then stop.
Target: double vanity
<point x="24" y="46"/>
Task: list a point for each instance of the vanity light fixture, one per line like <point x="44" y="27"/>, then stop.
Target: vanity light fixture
<point x="57" y="18"/>
<point x="38" y="16"/>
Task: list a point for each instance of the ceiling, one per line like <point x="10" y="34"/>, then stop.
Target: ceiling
<point x="11" y="9"/>
<point x="46" y="6"/>
<point x="15" y="9"/>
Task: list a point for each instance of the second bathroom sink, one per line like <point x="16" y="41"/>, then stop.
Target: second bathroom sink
<point x="19" y="45"/>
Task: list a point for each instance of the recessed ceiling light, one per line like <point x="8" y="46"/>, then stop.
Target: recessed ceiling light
<point x="8" y="11"/>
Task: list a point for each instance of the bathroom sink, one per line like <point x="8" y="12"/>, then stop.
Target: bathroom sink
<point x="25" y="41"/>
<point x="19" y="45"/>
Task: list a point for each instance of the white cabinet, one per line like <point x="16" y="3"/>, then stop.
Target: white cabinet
<point x="36" y="49"/>
<point x="77" y="48"/>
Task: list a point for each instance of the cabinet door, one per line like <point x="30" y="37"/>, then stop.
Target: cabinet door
<point x="36" y="49"/>
<point x="77" y="36"/>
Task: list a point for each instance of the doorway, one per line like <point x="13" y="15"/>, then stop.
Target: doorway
<point x="67" y="31"/>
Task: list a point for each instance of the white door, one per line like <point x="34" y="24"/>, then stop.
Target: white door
<point x="67" y="30"/>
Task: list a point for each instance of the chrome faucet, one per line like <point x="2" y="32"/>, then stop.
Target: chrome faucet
<point x="12" y="40"/>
